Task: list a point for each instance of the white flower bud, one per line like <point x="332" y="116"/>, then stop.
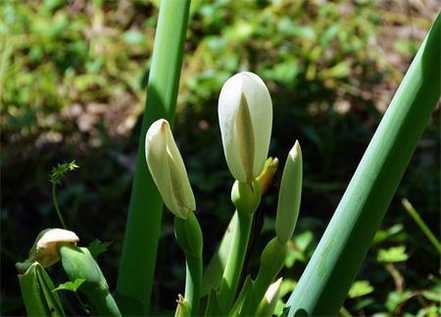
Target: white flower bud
<point x="168" y="170"/>
<point x="289" y="195"/>
<point x="269" y="301"/>
<point x="245" y="117"/>
<point x="47" y="244"/>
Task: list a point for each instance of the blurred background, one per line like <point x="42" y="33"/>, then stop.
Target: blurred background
<point x="72" y="87"/>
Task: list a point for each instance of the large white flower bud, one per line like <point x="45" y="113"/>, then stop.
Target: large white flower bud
<point x="245" y="117"/>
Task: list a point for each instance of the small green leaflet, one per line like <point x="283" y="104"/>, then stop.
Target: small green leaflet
<point x="97" y="247"/>
<point x="360" y="288"/>
<point x="70" y="285"/>
<point x="395" y="254"/>
<point x="59" y="171"/>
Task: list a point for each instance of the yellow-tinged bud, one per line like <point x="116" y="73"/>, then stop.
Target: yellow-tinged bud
<point x="168" y="170"/>
<point x="289" y="195"/>
<point x="245" y="118"/>
<point x="47" y="245"/>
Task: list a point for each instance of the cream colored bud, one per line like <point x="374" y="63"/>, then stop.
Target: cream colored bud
<point x="289" y="195"/>
<point x="269" y="301"/>
<point x="168" y="170"/>
<point x="47" y="244"/>
<point x="245" y="118"/>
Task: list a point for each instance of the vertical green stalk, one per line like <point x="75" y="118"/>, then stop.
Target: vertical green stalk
<point x="233" y="268"/>
<point x="138" y="258"/>
<point x="340" y="253"/>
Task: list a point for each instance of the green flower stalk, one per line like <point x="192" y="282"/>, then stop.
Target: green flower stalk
<point x="80" y="264"/>
<point x="189" y="237"/>
<point x="288" y="205"/>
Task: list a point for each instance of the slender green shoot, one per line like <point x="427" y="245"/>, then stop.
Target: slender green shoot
<point x="423" y="226"/>
<point x="56" y="176"/>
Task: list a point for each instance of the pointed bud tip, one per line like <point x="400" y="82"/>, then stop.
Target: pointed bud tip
<point x="296" y="151"/>
<point x="273" y="289"/>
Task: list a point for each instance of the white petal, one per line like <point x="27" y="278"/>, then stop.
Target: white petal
<point x="261" y="110"/>
<point x="56" y="235"/>
<point x="229" y="101"/>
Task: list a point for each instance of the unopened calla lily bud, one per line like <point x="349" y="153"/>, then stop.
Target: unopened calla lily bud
<point x="168" y="170"/>
<point x="46" y="247"/>
<point x="245" y="117"/>
<point x="289" y="195"/>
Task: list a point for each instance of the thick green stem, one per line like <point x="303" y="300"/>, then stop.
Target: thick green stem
<point x="193" y="280"/>
<point x="137" y="266"/>
<point x="233" y="268"/>
<point x="343" y="247"/>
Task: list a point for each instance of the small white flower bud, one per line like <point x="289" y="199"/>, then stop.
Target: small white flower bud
<point x="168" y="170"/>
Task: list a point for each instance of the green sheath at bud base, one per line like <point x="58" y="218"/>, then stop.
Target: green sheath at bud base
<point x="246" y="197"/>
<point x="289" y="195"/>
<point x="189" y="237"/>
<point x="188" y="234"/>
<point x="80" y="264"/>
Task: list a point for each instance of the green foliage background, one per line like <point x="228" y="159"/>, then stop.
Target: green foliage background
<point x="72" y="77"/>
